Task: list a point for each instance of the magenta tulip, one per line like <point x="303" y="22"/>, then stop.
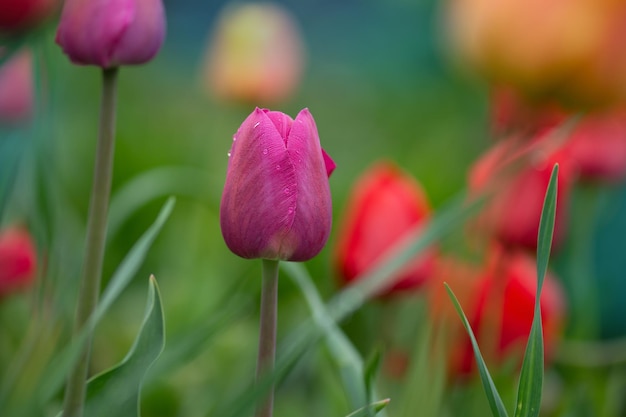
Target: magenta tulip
<point x="109" y="33"/>
<point x="276" y="202"/>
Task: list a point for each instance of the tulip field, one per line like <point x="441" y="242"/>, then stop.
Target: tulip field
<point x="312" y="209"/>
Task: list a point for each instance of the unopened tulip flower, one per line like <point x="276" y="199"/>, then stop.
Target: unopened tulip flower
<point x="512" y="213"/>
<point x="18" y="260"/>
<point x="16" y="89"/>
<point x="598" y="146"/>
<point x="110" y="33"/>
<point x="276" y="202"/>
<point x="255" y="55"/>
<point x="19" y="15"/>
<point x="385" y="203"/>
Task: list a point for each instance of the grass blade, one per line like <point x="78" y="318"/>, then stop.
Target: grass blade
<point x="531" y="377"/>
<point x="371" y="409"/>
<point x="495" y="402"/>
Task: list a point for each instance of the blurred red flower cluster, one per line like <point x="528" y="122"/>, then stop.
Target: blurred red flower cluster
<point x="497" y="286"/>
<point x="18" y="260"/>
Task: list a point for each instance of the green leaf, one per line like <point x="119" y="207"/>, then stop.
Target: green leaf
<point x="531" y="377"/>
<point x="55" y="374"/>
<point x="345" y="355"/>
<point x="495" y="402"/>
<point x="116" y="392"/>
<point x="372" y="366"/>
<point x="371" y="409"/>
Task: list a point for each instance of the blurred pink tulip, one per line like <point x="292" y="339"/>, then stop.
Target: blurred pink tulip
<point x="256" y="55"/>
<point x="18" y="260"/>
<point x="16" y="89"/>
<point x="19" y="15"/>
<point x="276" y="202"/>
<point x="109" y="33"/>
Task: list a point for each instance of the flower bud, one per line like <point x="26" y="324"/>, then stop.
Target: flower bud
<point x="18" y="260"/>
<point x="512" y="213"/>
<point x="276" y="202"/>
<point x="384" y="205"/>
<point x="598" y="146"/>
<point x="109" y="33"/>
<point x="16" y="89"/>
<point x="256" y="55"/>
<point x="19" y="15"/>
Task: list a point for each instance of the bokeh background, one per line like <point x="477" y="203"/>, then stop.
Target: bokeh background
<point x="381" y="84"/>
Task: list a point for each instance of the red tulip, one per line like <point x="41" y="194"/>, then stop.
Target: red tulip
<point x="18" y="15"/>
<point x="499" y="303"/>
<point x="513" y="212"/>
<point x="18" y="260"/>
<point x="109" y="33"/>
<point x="598" y="146"/>
<point x="276" y="202"/>
<point x="16" y="89"/>
<point x="385" y="203"/>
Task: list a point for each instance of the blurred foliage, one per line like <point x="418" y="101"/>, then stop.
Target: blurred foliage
<point x="379" y="86"/>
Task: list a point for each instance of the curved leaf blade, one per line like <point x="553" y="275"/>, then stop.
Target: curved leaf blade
<point x="531" y="377"/>
<point x="493" y="397"/>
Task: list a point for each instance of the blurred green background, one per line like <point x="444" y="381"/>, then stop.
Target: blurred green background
<point x="380" y="85"/>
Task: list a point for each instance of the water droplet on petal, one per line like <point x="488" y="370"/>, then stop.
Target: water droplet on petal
<point x="290" y="210"/>
<point x="256" y="124"/>
<point x="228" y="154"/>
<point x="286" y="190"/>
<point x="277" y="167"/>
<point x="265" y="151"/>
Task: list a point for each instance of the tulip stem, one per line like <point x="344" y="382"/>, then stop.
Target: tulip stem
<point x="267" y="333"/>
<point x="74" y="400"/>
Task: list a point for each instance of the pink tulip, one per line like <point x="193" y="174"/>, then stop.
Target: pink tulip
<point x="18" y="260"/>
<point x="16" y="89"/>
<point x="109" y="33"/>
<point x="276" y="202"/>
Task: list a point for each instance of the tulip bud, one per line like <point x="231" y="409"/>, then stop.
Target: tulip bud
<point x="276" y="202"/>
<point x="19" y="15"/>
<point x="109" y="33"/>
<point x="18" y="260"/>
<point x="256" y="55"/>
<point x="598" y="146"/>
<point x="513" y="212"/>
<point x="385" y="203"/>
<point x="16" y="89"/>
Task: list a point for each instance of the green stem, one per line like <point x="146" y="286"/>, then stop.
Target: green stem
<point x="267" y="333"/>
<point x="94" y="245"/>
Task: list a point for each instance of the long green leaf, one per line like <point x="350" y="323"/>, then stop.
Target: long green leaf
<point x="531" y="377"/>
<point x="55" y="374"/>
<point x="116" y="392"/>
<point x="495" y="402"/>
<point x="371" y="409"/>
<point x="345" y="355"/>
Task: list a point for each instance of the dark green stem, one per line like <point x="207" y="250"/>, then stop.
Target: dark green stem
<point x="267" y="333"/>
<point x="94" y="246"/>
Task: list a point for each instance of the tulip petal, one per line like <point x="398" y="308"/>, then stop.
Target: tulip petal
<point x="328" y="163"/>
<point x="312" y="222"/>
<point x="259" y="199"/>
